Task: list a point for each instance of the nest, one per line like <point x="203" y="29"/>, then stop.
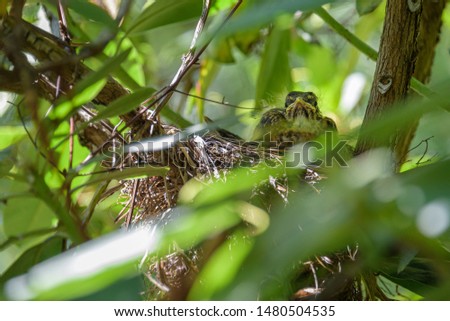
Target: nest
<point x="205" y="157"/>
<point x="211" y="156"/>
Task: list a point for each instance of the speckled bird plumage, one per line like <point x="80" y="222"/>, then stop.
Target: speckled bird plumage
<point x="300" y="121"/>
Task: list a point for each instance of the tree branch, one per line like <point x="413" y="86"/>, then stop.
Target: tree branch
<point x="192" y="56"/>
<point x="55" y="61"/>
<point x="394" y="69"/>
<point x="430" y="27"/>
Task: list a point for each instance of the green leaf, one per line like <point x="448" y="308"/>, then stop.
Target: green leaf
<point x="12" y="187"/>
<point x="125" y="289"/>
<point x="124" y="104"/>
<point x="259" y="13"/>
<point x="109" y="65"/>
<point x="92" y="12"/>
<point x="237" y="246"/>
<point x="126" y="173"/>
<point x="419" y="276"/>
<point x="99" y="263"/>
<point x="39" y="251"/>
<point x="80" y="98"/>
<point x="6" y="161"/>
<point x="367" y="6"/>
<point x="10" y="135"/>
<point x="85" y="269"/>
<point x="164" y="12"/>
<point x="321" y="63"/>
<point x="193" y="227"/>
<point x="25" y="215"/>
<point x="274" y="78"/>
<point x="89" y="87"/>
<point x="175" y="118"/>
<point x="243" y="180"/>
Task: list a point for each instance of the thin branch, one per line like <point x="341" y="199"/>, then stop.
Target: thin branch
<point x="71" y="141"/>
<point x="52" y="54"/>
<point x="190" y="59"/>
<point x="160" y="98"/>
<point x="72" y="223"/>
<point x="420" y="143"/>
<point x="223" y="103"/>
<point x="426" y="140"/>
<point x="371" y="53"/>
<point x="22" y="120"/>
<point x="63" y="30"/>
<point x="17" y="8"/>
<point x="133" y="203"/>
<point x="187" y="61"/>
<point x="424" y="153"/>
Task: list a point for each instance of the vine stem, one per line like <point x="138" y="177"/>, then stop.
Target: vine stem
<point x="371" y="53"/>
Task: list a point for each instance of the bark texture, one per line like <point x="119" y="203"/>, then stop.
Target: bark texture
<point x="57" y="72"/>
<point x="430" y="28"/>
<point x="394" y="68"/>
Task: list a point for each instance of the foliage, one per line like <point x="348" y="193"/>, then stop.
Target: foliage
<point x="58" y="236"/>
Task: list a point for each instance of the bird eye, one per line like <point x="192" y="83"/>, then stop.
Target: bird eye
<point x="308" y="97"/>
<point x="311" y="98"/>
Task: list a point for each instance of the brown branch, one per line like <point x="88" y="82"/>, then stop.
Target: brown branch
<point x="394" y="69"/>
<point x="56" y="62"/>
<point x="430" y="27"/>
<point x="58" y="70"/>
<point x="17" y="8"/>
<point x="192" y="56"/>
<point x="187" y="61"/>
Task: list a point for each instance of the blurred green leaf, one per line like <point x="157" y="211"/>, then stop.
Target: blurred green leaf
<point x="26" y="215"/>
<point x="125" y="289"/>
<point x="419" y="276"/>
<point x="68" y="107"/>
<point x="192" y="227"/>
<point x="274" y="77"/>
<point x="85" y="269"/>
<point x="12" y="187"/>
<point x="10" y="135"/>
<point x="6" y="161"/>
<point x="99" y="263"/>
<point x="89" y="87"/>
<point x="321" y="64"/>
<point x="215" y="275"/>
<point x="221" y="51"/>
<point x="104" y="71"/>
<point x="221" y="5"/>
<point x="35" y="251"/>
<point x="92" y="12"/>
<point x="175" y="118"/>
<point x="242" y="181"/>
<point x="367" y="6"/>
<point x="124" y="104"/>
<point x="126" y="173"/>
<point x="262" y="12"/>
<point x="208" y="73"/>
<point x="355" y="206"/>
<point x="164" y="12"/>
